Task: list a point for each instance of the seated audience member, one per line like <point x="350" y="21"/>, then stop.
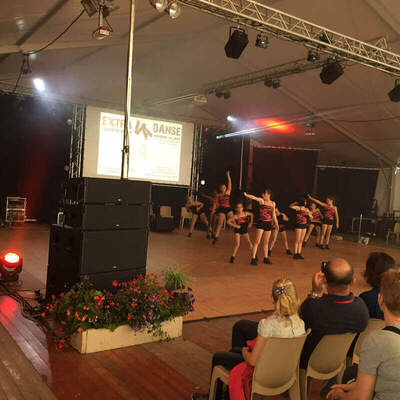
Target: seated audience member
<point x="377" y="264"/>
<point x="337" y="311"/>
<point x="378" y="374"/>
<point x="284" y="322"/>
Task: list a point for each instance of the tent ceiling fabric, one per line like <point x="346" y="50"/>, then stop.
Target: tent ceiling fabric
<point x="172" y="56"/>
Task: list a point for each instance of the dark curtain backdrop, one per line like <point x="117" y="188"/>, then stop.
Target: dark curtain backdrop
<point x="353" y="189"/>
<point x="288" y="173"/>
<point x="34" y="148"/>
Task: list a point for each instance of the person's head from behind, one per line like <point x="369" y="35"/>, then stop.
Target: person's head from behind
<point x="313" y="206"/>
<point x="285" y="298"/>
<point x="339" y="276"/>
<point x="377" y="264"/>
<point x="330" y="200"/>
<point x="266" y="194"/>
<point x="189" y="199"/>
<point x="239" y="207"/>
<point x="389" y="296"/>
<point x="222" y="188"/>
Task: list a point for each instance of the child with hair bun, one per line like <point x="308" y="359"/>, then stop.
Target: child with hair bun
<point x="284" y="322"/>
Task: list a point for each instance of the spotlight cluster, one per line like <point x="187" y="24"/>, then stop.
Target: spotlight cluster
<point x="239" y="39"/>
<point x="223" y="93"/>
<point x="172" y="8"/>
<point x="274" y="83"/>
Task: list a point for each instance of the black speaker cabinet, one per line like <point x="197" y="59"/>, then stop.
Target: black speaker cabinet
<point x="108" y="191"/>
<point x="161" y="224"/>
<point x="103" y="217"/>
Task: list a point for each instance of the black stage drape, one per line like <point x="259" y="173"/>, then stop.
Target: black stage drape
<point x="353" y="190"/>
<point x="288" y="173"/>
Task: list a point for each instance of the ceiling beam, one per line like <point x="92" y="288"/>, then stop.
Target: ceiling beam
<point x="386" y="16"/>
<point x="339" y="128"/>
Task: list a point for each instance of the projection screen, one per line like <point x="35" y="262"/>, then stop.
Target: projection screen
<point x="160" y="150"/>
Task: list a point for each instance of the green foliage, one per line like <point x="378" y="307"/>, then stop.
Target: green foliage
<point x="141" y="303"/>
<point x="175" y="279"/>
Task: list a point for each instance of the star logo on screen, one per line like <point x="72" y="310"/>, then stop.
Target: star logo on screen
<point x="141" y="127"/>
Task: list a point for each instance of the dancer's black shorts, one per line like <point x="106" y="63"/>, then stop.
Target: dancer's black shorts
<point x="328" y="221"/>
<point x="224" y="210"/>
<point x="301" y="226"/>
<point x="264" y="225"/>
<point x="282" y="228"/>
<point x="316" y="224"/>
<point x="242" y="230"/>
<point x="193" y="210"/>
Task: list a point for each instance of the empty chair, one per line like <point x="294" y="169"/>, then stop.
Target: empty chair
<point x="395" y="232"/>
<point x="165" y="212"/>
<point x="328" y="360"/>
<point x="276" y="370"/>
<point x="373" y="325"/>
<point x="185" y="214"/>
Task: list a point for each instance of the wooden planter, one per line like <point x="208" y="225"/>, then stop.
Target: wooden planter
<point x="94" y="340"/>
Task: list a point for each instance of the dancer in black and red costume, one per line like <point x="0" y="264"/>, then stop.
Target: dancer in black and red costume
<point x="316" y="222"/>
<point x="224" y="210"/>
<point x="241" y="221"/>
<point x="266" y="218"/>
<point x="302" y="212"/>
<point x="197" y="210"/>
<point x="280" y="228"/>
<point x="212" y="208"/>
<point x="330" y="214"/>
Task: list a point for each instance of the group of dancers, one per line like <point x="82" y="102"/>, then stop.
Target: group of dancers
<point x="271" y="221"/>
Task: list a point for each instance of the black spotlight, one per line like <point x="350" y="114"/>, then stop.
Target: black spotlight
<point x="237" y="42"/>
<point x="330" y="72"/>
<point x="394" y="94"/>
<point x="312" y="56"/>
<point x="262" y="41"/>
<point x="223" y="93"/>
<point x="274" y="83"/>
<point x="323" y="37"/>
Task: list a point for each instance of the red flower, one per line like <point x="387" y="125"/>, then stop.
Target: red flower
<point x="133" y="304"/>
<point x="62" y="295"/>
<point x="129" y="317"/>
<point x="86" y="308"/>
<point x="86" y="277"/>
<point x="68" y="312"/>
<point x="115" y="283"/>
<point x="77" y="315"/>
<point x="43" y="314"/>
<point x="79" y="330"/>
<point x="63" y="323"/>
<point x="84" y="318"/>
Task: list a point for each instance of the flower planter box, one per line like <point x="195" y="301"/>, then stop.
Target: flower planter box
<point x="94" y="340"/>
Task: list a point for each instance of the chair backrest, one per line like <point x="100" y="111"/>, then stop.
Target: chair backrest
<point x="165" y="211"/>
<point x="330" y="353"/>
<point x="278" y="361"/>
<point x="185" y="213"/>
<point x="396" y="227"/>
<point x="373" y="325"/>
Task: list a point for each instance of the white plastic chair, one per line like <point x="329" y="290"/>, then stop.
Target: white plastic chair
<point x="395" y="232"/>
<point x="165" y="212"/>
<point x="185" y="214"/>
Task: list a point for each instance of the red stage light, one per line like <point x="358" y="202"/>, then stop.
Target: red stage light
<point x="12" y="258"/>
<point x="274" y="125"/>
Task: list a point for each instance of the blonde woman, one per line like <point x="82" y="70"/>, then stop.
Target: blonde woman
<point x="284" y="322"/>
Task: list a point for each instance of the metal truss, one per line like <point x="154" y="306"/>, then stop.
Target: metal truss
<point x="265" y="19"/>
<point x="197" y="160"/>
<point x="278" y="71"/>
<point x="77" y="141"/>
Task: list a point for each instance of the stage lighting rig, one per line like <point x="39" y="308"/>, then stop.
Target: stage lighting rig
<point x="172" y="8"/>
<point x="238" y="40"/>
<point x="394" y="94"/>
<point x="262" y="41"/>
<point x="309" y="129"/>
<point x="10" y="267"/>
<point x="331" y="71"/>
<point x="312" y="56"/>
<point x="223" y="93"/>
<point x="274" y="83"/>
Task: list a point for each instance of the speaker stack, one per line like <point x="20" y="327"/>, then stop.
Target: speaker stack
<point x="104" y="235"/>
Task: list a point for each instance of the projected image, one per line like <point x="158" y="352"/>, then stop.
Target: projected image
<point x="155" y="148"/>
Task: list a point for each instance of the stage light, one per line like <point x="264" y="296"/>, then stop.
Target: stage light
<point x="236" y="43"/>
<point x="223" y="93"/>
<point x="323" y="37"/>
<point x="202" y="182"/>
<point x="10" y="267"/>
<point x="274" y="83"/>
<point x="262" y="41"/>
<point x="90" y="6"/>
<point x="39" y="84"/>
<point x="273" y="124"/>
<point x="312" y="56"/>
<point x="230" y="118"/>
<point x="174" y="10"/>
<point x="330" y="72"/>
<point x="394" y="94"/>
<point x="161" y="5"/>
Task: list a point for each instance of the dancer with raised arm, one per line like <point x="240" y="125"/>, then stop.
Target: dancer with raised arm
<point x="316" y="222"/>
<point x="330" y="214"/>
<point x="302" y="212"/>
<point x="197" y="210"/>
<point x="224" y="210"/>
<point x="266" y="217"/>
<point x="241" y="221"/>
<point x="212" y="208"/>
<point x="280" y="228"/>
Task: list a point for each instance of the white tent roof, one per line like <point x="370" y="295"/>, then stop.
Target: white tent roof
<point x="172" y="56"/>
